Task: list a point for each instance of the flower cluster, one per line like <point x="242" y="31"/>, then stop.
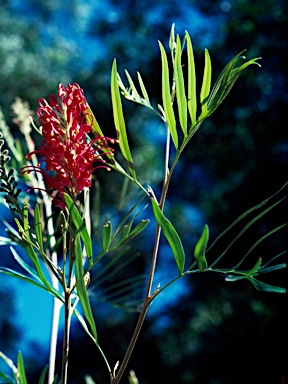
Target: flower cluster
<point x="67" y="149"/>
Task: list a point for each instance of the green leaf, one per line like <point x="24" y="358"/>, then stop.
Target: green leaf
<point x="166" y="96"/>
<point x="180" y="88"/>
<point x="273" y="268"/>
<point x="132" y="378"/>
<point x="258" y="242"/>
<point x="96" y="131"/>
<point x="226" y="80"/>
<point x="139" y="228"/>
<point x="255" y="268"/>
<point x="28" y="246"/>
<point x="22" y="263"/>
<point x="200" y="249"/>
<point x="11" y="365"/>
<point x="6" y="241"/>
<point x="43" y="375"/>
<point x="81" y="287"/>
<point x="192" y="98"/>
<point x="80" y="226"/>
<point x="106" y="236"/>
<point x="119" y="120"/>
<point x="248" y="225"/>
<point x="133" y="88"/>
<point x="11" y="272"/>
<point x="25" y="219"/>
<point x="21" y="369"/>
<point x="125" y="218"/>
<point x="143" y="89"/>
<point x="260" y="286"/>
<point x="127" y="235"/>
<point x="38" y="226"/>
<point x="206" y="84"/>
<point x="5" y="378"/>
<point x="171" y="236"/>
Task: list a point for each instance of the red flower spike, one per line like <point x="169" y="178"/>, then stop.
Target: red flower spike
<point x="66" y="149"/>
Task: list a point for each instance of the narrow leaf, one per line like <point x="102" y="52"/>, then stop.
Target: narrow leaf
<point x="200" y="249"/>
<point x="11" y="272"/>
<point x="106" y="236"/>
<point x="171" y="236"/>
<point x="43" y="375"/>
<point x="21" y="369"/>
<point x="206" y="84"/>
<point x="180" y="88"/>
<point x="127" y="235"/>
<point x="139" y="228"/>
<point x="35" y="260"/>
<point x="38" y="226"/>
<point x="143" y="89"/>
<point x="192" y="99"/>
<point x="22" y="263"/>
<point x="80" y="226"/>
<point x="84" y="325"/>
<point x="25" y="219"/>
<point x="260" y="286"/>
<point x="132" y="87"/>
<point x="81" y="287"/>
<point x="166" y="96"/>
<point x="255" y="268"/>
<point x="273" y="268"/>
<point x="96" y="130"/>
<point x="6" y="241"/>
<point x="119" y="120"/>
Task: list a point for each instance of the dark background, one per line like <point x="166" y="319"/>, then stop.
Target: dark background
<point x="206" y="330"/>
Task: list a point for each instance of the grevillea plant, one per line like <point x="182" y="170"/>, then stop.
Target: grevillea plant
<point x="58" y="174"/>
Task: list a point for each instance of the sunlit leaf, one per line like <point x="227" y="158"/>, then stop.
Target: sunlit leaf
<point x="119" y="120"/>
<point x="133" y="88"/>
<point x="81" y="287"/>
<point x="192" y="98"/>
<point x="180" y="88"/>
<point x="143" y="89"/>
<point x="80" y="226"/>
<point x="206" y="84"/>
<point x="200" y="249"/>
<point x="171" y="236"/>
<point x="226" y="80"/>
<point x="166" y="97"/>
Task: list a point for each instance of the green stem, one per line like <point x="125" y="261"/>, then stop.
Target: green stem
<point x="67" y="324"/>
<point x="148" y="297"/>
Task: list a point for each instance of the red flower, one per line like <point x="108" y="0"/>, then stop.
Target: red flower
<point x="66" y="149"/>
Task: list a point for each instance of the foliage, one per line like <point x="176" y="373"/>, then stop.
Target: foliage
<point x="69" y="274"/>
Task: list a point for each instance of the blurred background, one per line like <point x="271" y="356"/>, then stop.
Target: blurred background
<point x="203" y="330"/>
